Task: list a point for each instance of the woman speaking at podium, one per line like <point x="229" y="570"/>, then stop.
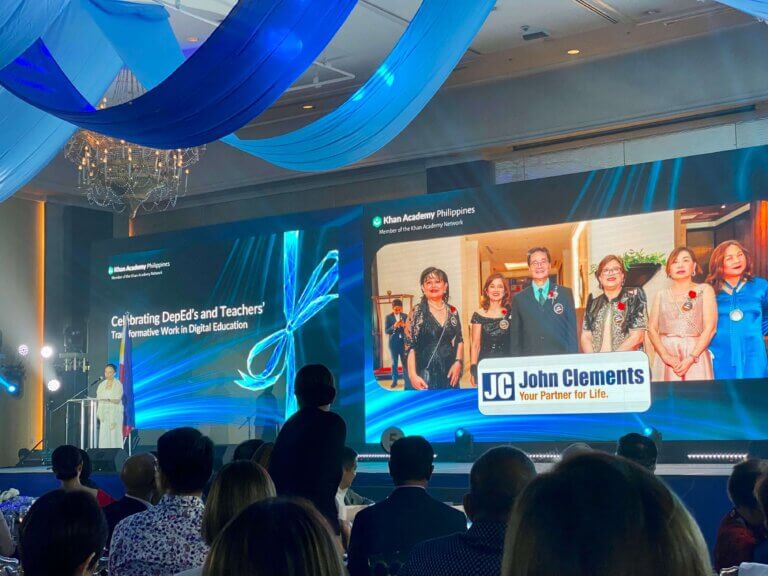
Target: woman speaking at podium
<point x="110" y="409"/>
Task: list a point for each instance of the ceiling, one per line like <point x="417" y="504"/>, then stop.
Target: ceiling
<point x="596" y="27"/>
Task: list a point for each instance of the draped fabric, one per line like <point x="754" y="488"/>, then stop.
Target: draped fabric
<point x="257" y="52"/>
<point x="757" y="8"/>
<point x="30" y="138"/>
<point x="22" y="22"/>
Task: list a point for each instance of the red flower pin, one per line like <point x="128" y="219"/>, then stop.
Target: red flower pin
<point x="621" y="306"/>
<point x="453" y="309"/>
<point x="504" y="311"/>
<point x="692" y="294"/>
<point x="551" y="294"/>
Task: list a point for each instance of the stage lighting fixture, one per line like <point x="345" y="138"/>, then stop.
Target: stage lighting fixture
<point x="53" y="385"/>
<point x="12" y="389"/>
<point x="23" y="350"/>
<point x="12" y="379"/>
<point x="464" y="443"/>
<point x="75" y="339"/>
<point x="46" y="351"/>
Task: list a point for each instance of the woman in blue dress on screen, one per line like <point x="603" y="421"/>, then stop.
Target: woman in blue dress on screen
<point x="742" y="308"/>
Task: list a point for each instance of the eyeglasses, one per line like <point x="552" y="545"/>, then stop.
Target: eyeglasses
<point x="539" y="263"/>
<point x="611" y="271"/>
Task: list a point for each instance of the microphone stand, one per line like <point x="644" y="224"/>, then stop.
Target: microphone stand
<point x="85" y="390"/>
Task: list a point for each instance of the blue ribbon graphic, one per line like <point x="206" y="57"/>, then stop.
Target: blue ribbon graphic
<point x="315" y="296"/>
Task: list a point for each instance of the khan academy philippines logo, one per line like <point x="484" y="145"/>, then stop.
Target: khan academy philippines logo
<point x="377" y="221"/>
<point x="111" y="270"/>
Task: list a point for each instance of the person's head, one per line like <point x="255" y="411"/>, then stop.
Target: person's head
<point x="237" y="485"/>
<point x="109" y="371"/>
<point x="575" y="449"/>
<point x="87" y="470"/>
<point x="495" y="289"/>
<point x="761" y="494"/>
<point x="245" y="450"/>
<point x="729" y="260"/>
<point x="610" y="273"/>
<point x="63" y="533"/>
<point x="276" y="537"/>
<point x="598" y="515"/>
<point x="138" y="476"/>
<point x="314" y="387"/>
<point x="539" y="263"/>
<point x="397" y="306"/>
<point x="496" y="480"/>
<point x="640" y="449"/>
<point x="184" y="461"/>
<point x="348" y="467"/>
<point x="410" y="461"/>
<point x="67" y="462"/>
<point x="741" y="489"/>
<point x="263" y="455"/>
<point x="434" y="284"/>
<point x="681" y="264"/>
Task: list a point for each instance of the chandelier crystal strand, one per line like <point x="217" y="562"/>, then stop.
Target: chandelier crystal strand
<point x="121" y="176"/>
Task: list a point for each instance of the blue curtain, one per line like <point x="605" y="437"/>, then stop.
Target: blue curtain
<point x="259" y="50"/>
<point x="30" y="138"/>
<point x="757" y="8"/>
<point x="22" y="22"/>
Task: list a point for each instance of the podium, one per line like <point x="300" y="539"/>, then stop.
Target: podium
<point x="84" y="410"/>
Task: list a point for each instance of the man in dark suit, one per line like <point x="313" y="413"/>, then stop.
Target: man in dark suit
<point x="408" y="516"/>
<point x="394" y="325"/>
<point x="138" y="477"/>
<point x="308" y="454"/>
<point x="543" y="315"/>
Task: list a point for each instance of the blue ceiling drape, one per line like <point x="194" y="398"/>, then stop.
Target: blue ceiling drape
<point x="22" y="22"/>
<point x="757" y="8"/>
<point x="259" y="50"/>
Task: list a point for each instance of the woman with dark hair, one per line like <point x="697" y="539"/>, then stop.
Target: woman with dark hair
<point x="433" y="339"/>
<point x="263" y="455"/>
<point x="616" y="320"/>
<point x="600" y="515"/>
<point x="742" y="306"/>
<point x="490" y="324"/>
<point x="63" y="533"/>
<point x="276" y="537"/>
<point x="67" y="464"/>
<point x="110" y="409"/>
<point x="683" y="322"/>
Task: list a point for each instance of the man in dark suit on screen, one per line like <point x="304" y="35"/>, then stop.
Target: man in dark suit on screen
<point x="394" y="326"/>
<point x="408" y="516"/>
<point x="542" y="316"/>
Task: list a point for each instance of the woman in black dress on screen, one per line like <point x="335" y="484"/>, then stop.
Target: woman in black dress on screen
<point x="433" y="340"/>
<point x="490" y="324"/>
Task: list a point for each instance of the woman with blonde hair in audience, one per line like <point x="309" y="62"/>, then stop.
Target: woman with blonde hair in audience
<point x="276" y="537"/>
<point x="600" y="515"/>
<point x="237" y="485"/>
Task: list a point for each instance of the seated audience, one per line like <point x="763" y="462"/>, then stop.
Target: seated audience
<point x="138" y="478"/>
<point x="245" y="450"/>
<point x="67" y="464"/>
<point x="598" y="515"/>
<point x="306" y="460"/>
<point x="263" y="455"/>
<point x="345" y="496"/>
<point x="63" y="534"/>
<point x="276" y="537"/>
<point x="7" y="545"/>
<point x="85" y="474"/>
<point x="408" y="516"/>
<point x="638" y="448"/>
<point x="495" y="481"/>
<point x="237" y="485"/>
<point x="742" y="529"/>
<point x="167" y="539"/>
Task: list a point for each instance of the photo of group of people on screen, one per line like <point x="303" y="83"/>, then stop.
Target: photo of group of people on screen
<point x="697" y="331"/>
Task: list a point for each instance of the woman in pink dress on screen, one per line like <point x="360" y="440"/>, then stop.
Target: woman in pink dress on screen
<point x="682" y="324"/>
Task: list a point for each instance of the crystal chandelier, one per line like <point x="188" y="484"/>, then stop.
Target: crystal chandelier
<point x="121" y="176"/>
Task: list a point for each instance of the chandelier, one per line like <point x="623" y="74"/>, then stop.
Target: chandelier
<point x="121" y="176"/>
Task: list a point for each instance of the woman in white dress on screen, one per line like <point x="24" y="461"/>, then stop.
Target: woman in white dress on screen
<point x="110" y="410"/>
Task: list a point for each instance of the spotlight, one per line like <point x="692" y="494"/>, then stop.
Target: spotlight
<point x="23" y="350"/>
<point x="464" y="443"/>
<point x="46" y="351"/>
<point x="53" y="385"/>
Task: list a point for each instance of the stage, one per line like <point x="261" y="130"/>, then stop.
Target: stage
<point x="702" y="487"/>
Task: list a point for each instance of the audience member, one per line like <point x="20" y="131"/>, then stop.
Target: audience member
<point x="63" y="534"/>
<point x="345" y="495"/>
<point x="408" y="516"/>
<point x="85" y="473"/>
<point x="245" y="450"/>
<point x="138" y="478"/>
<point x="742" y="529"/>
<point x="640" y="449"/>
<point x="276" y="537"/>
<point x="575" y="449"/>
<point x="167" y="539"/>
<point x="598" y="515"/>
<point x="495" y="481"/>
<point x="67" y="464"/>
<point x="263" y="455"/>
<point x="306" y="460"/>
<point x="7" y="545"/>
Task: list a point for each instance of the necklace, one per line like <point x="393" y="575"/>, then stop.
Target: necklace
<point x="434" y="307"/>
<point x="736" y="314"/>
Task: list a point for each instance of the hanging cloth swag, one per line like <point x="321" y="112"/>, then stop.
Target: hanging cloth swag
<point x="256" y="53"/>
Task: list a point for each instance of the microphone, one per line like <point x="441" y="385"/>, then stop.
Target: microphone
<point x="98" y="380"/>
